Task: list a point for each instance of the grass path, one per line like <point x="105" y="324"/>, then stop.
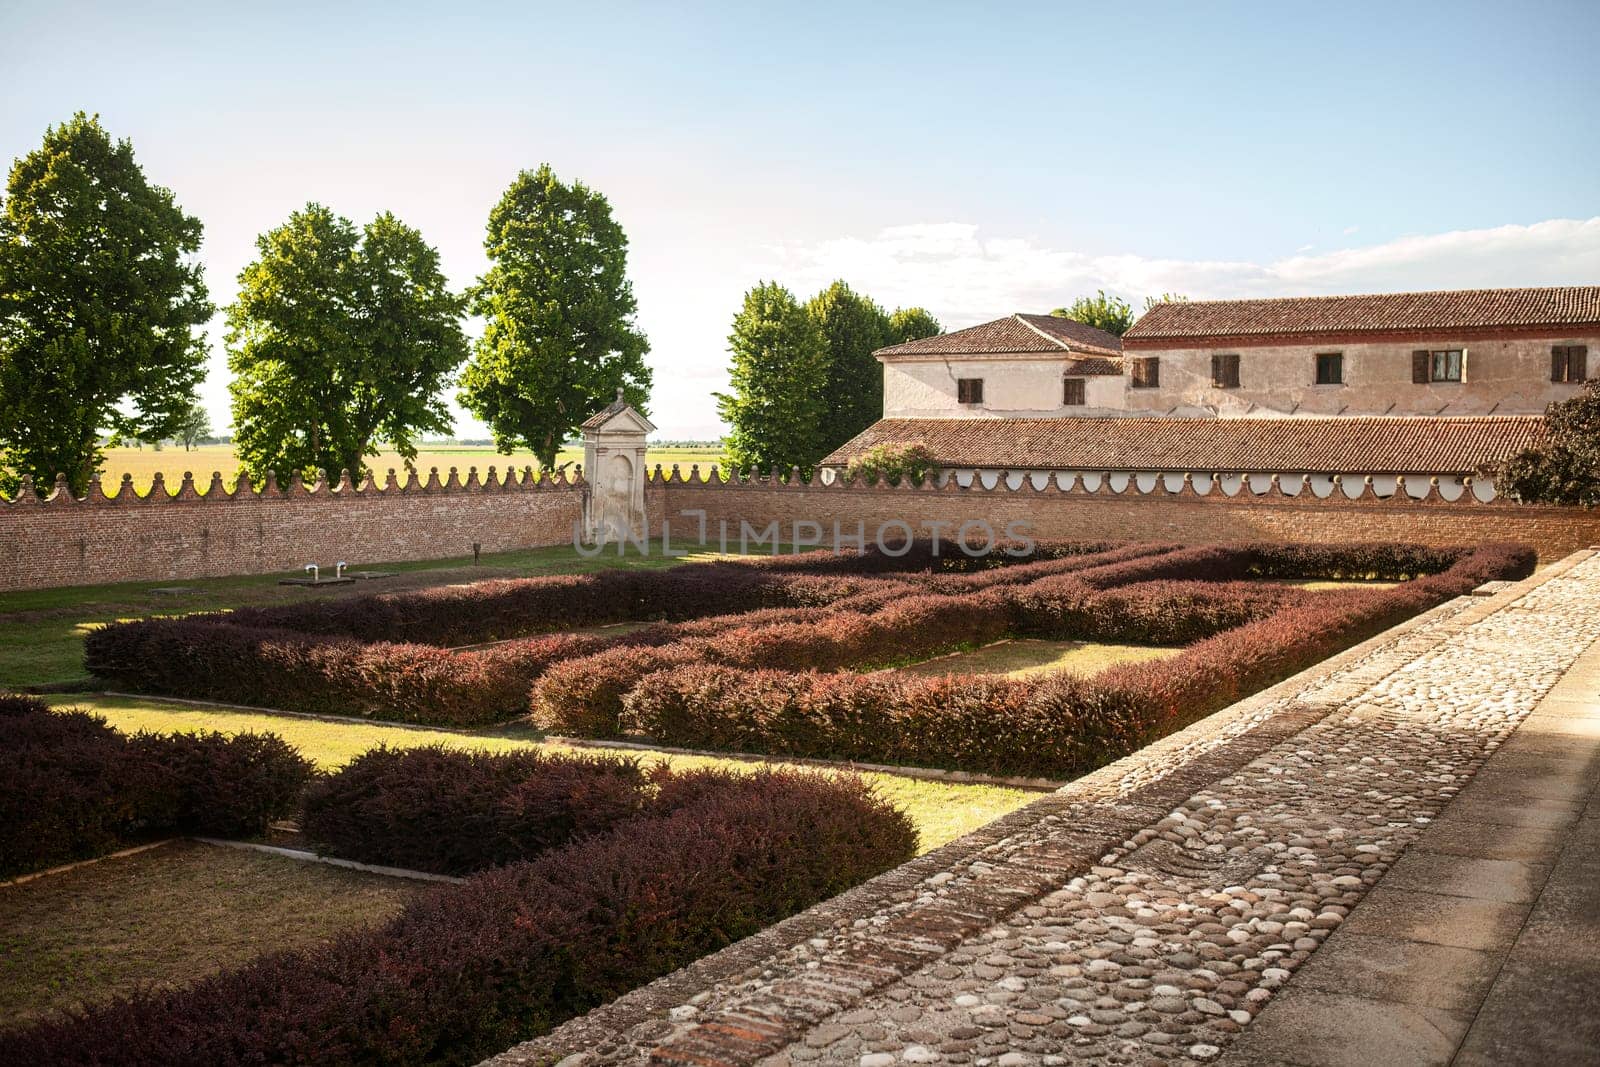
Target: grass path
<point x="1023" y="657"/>
<point x="942" y="811"/>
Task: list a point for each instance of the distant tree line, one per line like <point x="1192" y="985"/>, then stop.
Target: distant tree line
<point x="342" y="337"/>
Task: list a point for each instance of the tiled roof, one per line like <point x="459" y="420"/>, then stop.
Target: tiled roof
<point x="1080" y="337"/>
<point x="603" y="416"/>
<point x="1013" y="334"/>
<point x="1383" y="445"/>
<point x="1469" y="309"/>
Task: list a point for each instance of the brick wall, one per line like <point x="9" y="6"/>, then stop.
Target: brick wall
<point x="65" y="541"/>
<point x="1184" y="516"/>
<point x="62" y="541"/>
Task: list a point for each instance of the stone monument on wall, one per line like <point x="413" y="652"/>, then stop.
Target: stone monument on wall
<point x="613" y="464"/>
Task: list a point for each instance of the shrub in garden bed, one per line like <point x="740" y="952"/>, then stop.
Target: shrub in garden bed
<point x="468" y="970"/>
<point x="451" y="811"/>
<point x="330" y="675"/>
<point x="1149" y="613"/>
<point x="583" y="697"/>
<point x="71" y="787"/>
<point x="1053" y="726"/>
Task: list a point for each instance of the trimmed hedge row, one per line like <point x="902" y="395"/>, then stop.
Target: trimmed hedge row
<point x="468" y="970"/>
<point x="213" y="659"/>
<point x="71" y="787"/>
<point x="451" y="811"/>
<point x="584" y="697"/>
<point x="1056" y="726"/>
<point x="509" y="608"/>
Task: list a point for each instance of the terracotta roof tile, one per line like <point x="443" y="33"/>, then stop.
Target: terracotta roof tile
<point x="1564" y="306"/>
<point x="1013" y="334"/>
<point x="1382" y="445"/>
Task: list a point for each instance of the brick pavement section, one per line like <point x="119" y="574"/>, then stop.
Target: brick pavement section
<point x="1148" y="912"/>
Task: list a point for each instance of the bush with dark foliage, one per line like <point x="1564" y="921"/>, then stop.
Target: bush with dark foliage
<point x="452" y="811"/>
<point x="470" y="969"/>
<point x="71" y="787"/>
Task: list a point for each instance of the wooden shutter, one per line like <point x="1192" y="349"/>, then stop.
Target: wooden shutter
<point x="1224" y="371"/>
<point x="1577" y="363"/>
<point x="1558" y="364"/>
<point x="1073" y="392"/>
<point x="1419" y="367"/>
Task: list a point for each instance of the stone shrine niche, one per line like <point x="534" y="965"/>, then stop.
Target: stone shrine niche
<point x="613" y="465"/>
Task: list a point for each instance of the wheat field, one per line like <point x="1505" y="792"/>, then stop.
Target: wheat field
<point x="143" y="463"/>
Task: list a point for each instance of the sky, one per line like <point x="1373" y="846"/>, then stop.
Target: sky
<point x="974" y="159"/>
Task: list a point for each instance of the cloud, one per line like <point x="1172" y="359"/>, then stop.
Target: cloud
<point x="965" y="276"/>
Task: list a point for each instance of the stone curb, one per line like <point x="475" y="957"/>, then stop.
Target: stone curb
<point x="331" y="861"/>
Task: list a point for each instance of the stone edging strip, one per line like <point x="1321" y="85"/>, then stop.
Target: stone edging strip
<point x="998" y="873"/>
<point x="932" y="774"/>
<point x="64" y="868"/>
<point x="332" y="861"/>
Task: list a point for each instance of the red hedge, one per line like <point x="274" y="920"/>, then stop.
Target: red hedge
<point x="452" y="811"/>
<point x="71" y="787"/>
<point x="1055" y="726"/>
<point x="468" y="970"/>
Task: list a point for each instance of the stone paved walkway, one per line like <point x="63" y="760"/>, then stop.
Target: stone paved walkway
<point x="1150" y="912"/>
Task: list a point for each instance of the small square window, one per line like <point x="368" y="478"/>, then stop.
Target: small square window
<point x="969" y="390"/>
<point x="1330" y="368"/>
<point x="1225" y="371"/>
<point x="1072" y="393"/>
<point x="1147" y="372"/>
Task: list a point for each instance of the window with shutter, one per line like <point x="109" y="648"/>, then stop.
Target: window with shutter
<point x="1439" y="365"/>
<point x="1072" y="393"/>
<point x="1225" y="371"/>
<point x="969" y="390"/>
<point x="1569" y="363"/>
<point x="1147" y="372"/>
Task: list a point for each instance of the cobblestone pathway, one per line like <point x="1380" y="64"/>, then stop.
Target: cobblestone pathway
<point x="1145" y="933"/>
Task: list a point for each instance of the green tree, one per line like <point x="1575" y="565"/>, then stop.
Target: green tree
<point x="912" y="324"/>
<point x="98" y="301"/>
<point x="340" y="338"/>
<point x="560" y="338"/>
<point x="854" y="327"/>
<point x="893" y="464"/>
<point x="191" y="425"/>
<point x="1109" y="313"/>
<point x="1564" y="468"/>
<point x="776" y="407"/>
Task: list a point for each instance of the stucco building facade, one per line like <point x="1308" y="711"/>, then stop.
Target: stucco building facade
<point x="1470" y="372"/>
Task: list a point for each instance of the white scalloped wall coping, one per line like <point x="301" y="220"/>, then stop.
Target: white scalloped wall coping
<point x="1352" y="485"/>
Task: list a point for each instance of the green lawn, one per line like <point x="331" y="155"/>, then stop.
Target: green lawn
<point x="943" y="811"/>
